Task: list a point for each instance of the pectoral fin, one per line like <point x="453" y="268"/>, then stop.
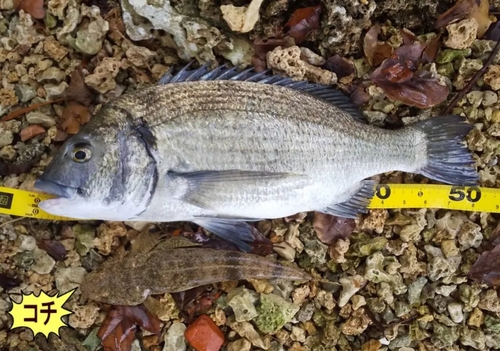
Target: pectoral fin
<point x="357" y="203"/>
<point x="206" y="188"/>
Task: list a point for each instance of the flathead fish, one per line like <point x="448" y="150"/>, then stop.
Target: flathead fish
<point x="129" y="280"/>
<point x="221" y="147"/>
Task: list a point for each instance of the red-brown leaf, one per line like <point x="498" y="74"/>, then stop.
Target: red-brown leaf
<point x="358" y="95"/>
<point x="457" y="12"/>
<point x="493" y="33"/>
<point x="77" y="89"/>
<point x="261" y="48"/>
<point x="7" y="169"/>
<point x="412" y="52"/>
<point x="7" y="282"/>
<point x="54" y="248"/>
<point x="408" y="37"/>
<point x="340" y="66"/>
<point x="495" y="236"/>
<point x="74" y="115"/>
<point x="399" y="81"/>
<point x="118" y="328"/>
<point x="431" y="50"/>
<point x="487" y="268"/>
<point x="302" y="22"/>
<point x="375" y="51"/>
<point x="33" y="7"/>
<point x="481" y="13"/>
<point x="331" y="228"/>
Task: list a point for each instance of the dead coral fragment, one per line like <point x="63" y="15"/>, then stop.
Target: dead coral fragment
<point x="492" y="77"/>
<point x="290" y="63"/>
<point x="241" y="19"/>
<point x="462" y="34"/>
<point x="89" y="40"/>
<point x="103" y="77"/>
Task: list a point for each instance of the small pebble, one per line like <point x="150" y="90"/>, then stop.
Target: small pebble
<point x="476" y="318"/>
<point x="43" y="263"/>
<point x="174" y="338"/>
<point x="52" y="74"/>
<point x="36" y="117"/>
<point x="285" y="250"/>
<point x="489" y="98"/>
<point x="455" y="310"/>
<point x="25" y="92"/>
<point x="204" y="335"/>
<point x="239" y="345"/>
<point x="27" y="242"/>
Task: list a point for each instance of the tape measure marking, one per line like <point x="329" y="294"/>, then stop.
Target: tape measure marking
<point x="451" y="197"/>
<point x="24" y="203"/>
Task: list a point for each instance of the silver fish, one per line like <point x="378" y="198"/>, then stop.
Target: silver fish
<point x="221" y="147"/>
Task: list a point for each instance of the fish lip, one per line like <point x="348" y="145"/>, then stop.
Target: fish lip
<point x="56" y="189"/>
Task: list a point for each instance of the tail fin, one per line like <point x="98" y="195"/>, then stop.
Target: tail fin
<point x="449" y="160"/>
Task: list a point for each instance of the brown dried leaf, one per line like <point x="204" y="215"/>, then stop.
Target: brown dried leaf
<point x="54" y="248"/>
<point x="481" y="14"/>
<point x="486" y="269"/>
<point x="31" y="132"/>
<point x="495" y="236"/>
<point x="7" y="169"/>
<point x="61" y="136"/>
<point x="302" y="22"/>
<point x="261" y="48"/>
<point x="74" y="115"/>
<point x="411" y="52"/>
<point x="399" y="81"/>
<point x="191" y="303"/>
<point x="431" y="50"/>
<point x="77" y="89"/>
<point x="331" y="228"/>
<point x="376" y="52"/>
<point x="408" y="37"/>
<point x="118" y="328"/>
<point x="493" y="32"/>
<point x="33" y="7"/>
<point x="340" y="66"/>
<point x="8" y="283"/>
<point x="358" y="94"/>
<point x="459" y="11"/>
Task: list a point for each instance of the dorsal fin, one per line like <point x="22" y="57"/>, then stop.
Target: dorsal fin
<point x="223" y="72"/>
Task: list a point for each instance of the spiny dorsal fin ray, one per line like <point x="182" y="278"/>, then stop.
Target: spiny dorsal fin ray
<point x="223" y="72"/>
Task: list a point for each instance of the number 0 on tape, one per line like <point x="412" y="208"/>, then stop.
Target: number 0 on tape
<point x="24" y="203"/>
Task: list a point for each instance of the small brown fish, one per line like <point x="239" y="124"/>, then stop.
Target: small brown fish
<point x="130" y="280"/>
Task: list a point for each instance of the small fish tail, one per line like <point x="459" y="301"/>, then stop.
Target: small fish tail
<point x="448" y="158"/>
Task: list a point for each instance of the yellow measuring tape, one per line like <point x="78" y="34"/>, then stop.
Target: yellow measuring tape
<point x="464" y="198"/>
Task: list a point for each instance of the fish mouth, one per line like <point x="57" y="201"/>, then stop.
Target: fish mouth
<point x="56" y="189"/>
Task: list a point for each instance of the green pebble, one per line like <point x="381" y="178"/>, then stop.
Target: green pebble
<point x="274" y="312"/>
<point x="450" y="55"/>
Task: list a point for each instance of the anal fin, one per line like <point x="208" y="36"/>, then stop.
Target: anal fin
<point x="357" y="203"/>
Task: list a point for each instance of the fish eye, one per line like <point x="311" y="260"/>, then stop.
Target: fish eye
<point x="81" y="154"/>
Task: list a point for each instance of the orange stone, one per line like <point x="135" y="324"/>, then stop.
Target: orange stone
<point x="204" y="335"/>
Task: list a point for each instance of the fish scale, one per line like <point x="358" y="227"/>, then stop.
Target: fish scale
<point x="227" y="147"/>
